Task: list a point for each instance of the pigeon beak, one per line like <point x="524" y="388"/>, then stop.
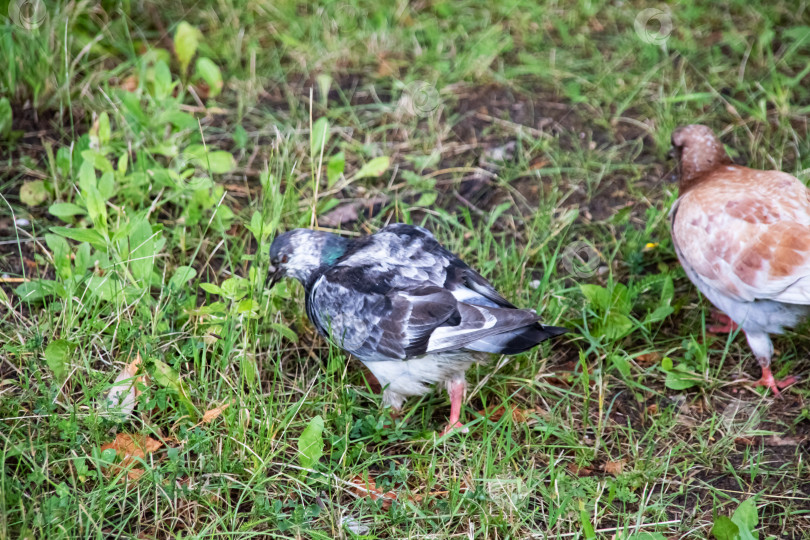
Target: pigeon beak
<point x="273" y="275"/>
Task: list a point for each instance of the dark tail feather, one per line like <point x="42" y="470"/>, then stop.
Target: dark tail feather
<point x="516" y="341"/>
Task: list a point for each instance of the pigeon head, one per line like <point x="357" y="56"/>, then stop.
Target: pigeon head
<point x="698" y="152"/>
<point x="300" y="252"/>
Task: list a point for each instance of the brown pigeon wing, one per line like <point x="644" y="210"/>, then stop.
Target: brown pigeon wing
<point x="746" y="234"/>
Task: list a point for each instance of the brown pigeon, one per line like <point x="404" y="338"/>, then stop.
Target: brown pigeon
<point x="743" y="237"/>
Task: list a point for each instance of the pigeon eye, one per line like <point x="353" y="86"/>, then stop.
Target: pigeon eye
<point x="283" y="259"/>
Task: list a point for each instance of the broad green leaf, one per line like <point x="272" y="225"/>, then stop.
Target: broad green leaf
<point x="375" y="167"/>
<point x="621" y="298"/>
<point x="57" y="355"/>
<point x="106" y="186"/>
<point x="256" y="226"/>
<point x="210" y="73"/>
<point x="235" y="288"/>
<point x="285" y="331"/>
<point x="141" y="250"/>
<point x="211" y="288"/>
<point x="37" y="289"/>
<point x="616" y="326"/>
<point x="163" y="80"/>
<point x="427" y="199"/>
<point x="681" y="378"/>
<point x="166" y="376"/>
<point x="247" y="305"/>
<point x="106" y="288"/>
<point x="335" y="167"/>
<point x="123" y="163"/>
<point x="598" y="296"/>
<point x="33" y="193"/>
<point x="103" y="129"/>
<point x="182" y="275"/>
<point x="90" y="236"/>
<point x="186" y="40"/>
<point x="82" y="260"/>
<point x="215" y="161"/>
<point x="725" y="529"/>
<point x="310" y="444"/>
<point x="65" y="210"/>
<point x="745" y="517"/>
<point x="660" y="313"/>
<point x="61" y="254"/>
<point x="98" y="160"/>
<point x="319" y="137"/>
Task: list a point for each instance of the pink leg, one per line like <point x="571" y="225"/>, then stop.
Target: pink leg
<point x="774" y="385"/>
<point x="725" y="326"/>
<point x="456" y="388"/>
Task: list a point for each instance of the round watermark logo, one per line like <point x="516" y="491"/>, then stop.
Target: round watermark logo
<point x="420" y="98"/>
<point x="653" y="25"/>
<point x="581" y="259"/>
<point x="27" y="14"/>
<point x="741" y="416"/>
<point x="346" y="19"/>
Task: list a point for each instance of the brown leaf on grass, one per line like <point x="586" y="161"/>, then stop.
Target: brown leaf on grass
<point x="368" y="488"/>
<point x="129" y="448"/>
<point x="129" y="84"/>
<point x="648" y="359"/>
<point x="124" y="392"/>
<point x="615" y="467"/>
<point x="773" y="440"/>
<point x="349" y="212"/>
<point x="575" y="469"/>
<point x="212" y="414"/>
<point x="496" y="412"/>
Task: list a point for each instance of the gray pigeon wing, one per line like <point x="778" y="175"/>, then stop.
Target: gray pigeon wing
<point x="377" y="326"/>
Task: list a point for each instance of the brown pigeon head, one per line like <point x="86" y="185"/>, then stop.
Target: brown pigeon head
<point x="698" y="152"/>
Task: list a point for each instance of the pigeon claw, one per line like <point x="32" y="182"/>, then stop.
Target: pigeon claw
<point x="775" y="385"/>
<point x="455" y="426"/>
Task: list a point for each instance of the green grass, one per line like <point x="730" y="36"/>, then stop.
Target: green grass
<point x="517" y="132"/>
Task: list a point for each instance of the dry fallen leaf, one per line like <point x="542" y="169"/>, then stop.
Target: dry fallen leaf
<point x="774" y="440"/>
<point x="212" y="414"/>
<point x="648" y="359"/>
<point x="615" y="467"/>
<point x="575" y="469"/>
<point x="349" y="212"/>
<point x="129" y="84"/>
<point x="367" y="488"/>
<point x="124" y="393"/>
<point x="495" y="413"/>
<point x="129" y="448"/>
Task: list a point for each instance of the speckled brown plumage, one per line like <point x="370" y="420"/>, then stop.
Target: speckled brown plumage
<point x="743" y="237"/>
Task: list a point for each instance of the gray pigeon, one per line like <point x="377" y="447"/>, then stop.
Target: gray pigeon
<point x="406" y="307"/>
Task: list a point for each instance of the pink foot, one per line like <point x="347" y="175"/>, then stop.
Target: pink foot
<point x="456" y="388"/>
<point x="454" y="426"/>
<point x="725" y="326"/>
<point x="772" y="384"/>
